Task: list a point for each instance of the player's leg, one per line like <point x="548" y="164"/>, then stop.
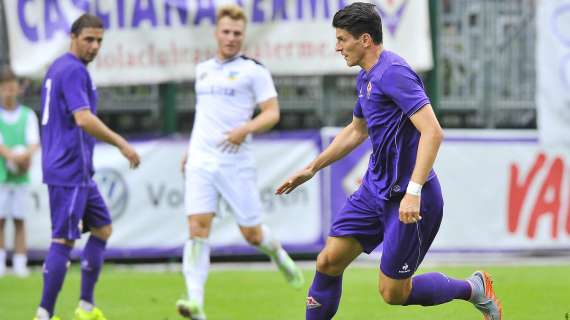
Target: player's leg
<point x="67" y="205"/>
<point x="261" y="238"/>
<point x="97" y="220"/>
<point x="405" y="247"/>
<point x="20" y="258"/>
<point x="2" y="248"/>
<point x="324" y="294"/>
<point x="196" y="265"/>
<point x="3" y="215"/>
<point x="18" y="204"/>
<point x="201" y="201"/>
<point x="355" y="229"/>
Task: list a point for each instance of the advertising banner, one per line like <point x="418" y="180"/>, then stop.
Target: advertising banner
<point x="155" y="41"/>
<point x="147" y="204"/>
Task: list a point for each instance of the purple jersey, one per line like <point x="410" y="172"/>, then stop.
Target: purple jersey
<point x="67" y="151"/>
<point x="388" y="95"/>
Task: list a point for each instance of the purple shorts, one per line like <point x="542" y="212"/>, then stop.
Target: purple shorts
<point x="372" y="221"/>
<point x="75" y="210"/>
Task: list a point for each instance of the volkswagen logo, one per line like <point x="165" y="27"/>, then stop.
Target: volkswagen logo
<point x="114" y="190"/>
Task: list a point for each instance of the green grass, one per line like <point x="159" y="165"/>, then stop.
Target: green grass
<point x="527" y="293"/>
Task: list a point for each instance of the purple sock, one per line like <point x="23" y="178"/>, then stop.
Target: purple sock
<point x="436" y="288"/>
<point x="324" y="297"/>
<point x="91" y="264"/>
<point x="55" y="267"/>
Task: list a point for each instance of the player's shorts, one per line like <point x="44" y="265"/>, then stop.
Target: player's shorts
<point x="14" y="200"/>
<point x="75" y="210"/>
<point x="372" y="221"/>
<point x="235" y="183"/>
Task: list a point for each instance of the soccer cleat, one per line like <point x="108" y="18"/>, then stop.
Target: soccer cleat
<point x="95" y="314"/>
<point x="52" y="318"/>
<point x="191" y="309"/>
<point x="483" y="296"/>
<point x="292" y="273"/>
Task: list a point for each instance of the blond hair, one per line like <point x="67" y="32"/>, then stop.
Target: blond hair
<point x="231" y="11"/>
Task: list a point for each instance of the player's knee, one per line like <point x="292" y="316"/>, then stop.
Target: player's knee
<point x="392" y="296"/>
<point x="103" y="233"/>
<point x="198" y="229"/>
<point x="328" y="264"/>
<point x="253" y="238"/>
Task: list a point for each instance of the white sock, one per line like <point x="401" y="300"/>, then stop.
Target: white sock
<point x="2" y="262"/>
<point x="19" y="262"/>
<point x="271" y="246"/>
<point x="42" y="314"/>
<point x="86" y="305"/>
<point x="195" y="266"/>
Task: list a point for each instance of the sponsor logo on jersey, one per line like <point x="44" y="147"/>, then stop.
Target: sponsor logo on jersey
<point x="312" y="303"/>
<point x="232" y="75"/>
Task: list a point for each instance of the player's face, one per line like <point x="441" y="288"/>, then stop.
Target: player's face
<point x="9" y="91"/>
<point x="86" y="45"/>
<point x="229" y="34"/>
<point x="349" y="47"/>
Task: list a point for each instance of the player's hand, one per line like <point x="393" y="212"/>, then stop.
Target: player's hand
<point x="294" y="181"/>
<point x="131" y="155"/>
<point x="183" y="163"/>
<point x="234" y="139"/>
<point x="23" y="162"/>
<point x="410" y="209"/>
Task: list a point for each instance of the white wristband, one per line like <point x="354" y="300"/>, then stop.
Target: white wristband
<point x="414" y="188"/>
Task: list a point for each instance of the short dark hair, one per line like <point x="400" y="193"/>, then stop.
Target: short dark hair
<point x="86" y="21"/>
<point x="6" y="74"/>
<point x="360" y="18"/>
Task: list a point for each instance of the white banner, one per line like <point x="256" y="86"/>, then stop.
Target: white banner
<point x="147" y="204"/>
<point x="553" y="71"/>
<point x="162" y="40"/>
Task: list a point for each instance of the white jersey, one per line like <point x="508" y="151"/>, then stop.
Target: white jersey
<point x="226" y="93"/>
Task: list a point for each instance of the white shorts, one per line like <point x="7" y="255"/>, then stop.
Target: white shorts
<point x="14" y="200"/>
<point x="234" y="183"/>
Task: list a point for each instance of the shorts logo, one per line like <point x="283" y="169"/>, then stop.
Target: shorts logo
<point x="312" y="303"/>
<point x="405" y="269"/>
<point x="114" y="190"/>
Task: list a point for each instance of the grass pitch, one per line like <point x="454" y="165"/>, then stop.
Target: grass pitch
<point x="529" y="292"/>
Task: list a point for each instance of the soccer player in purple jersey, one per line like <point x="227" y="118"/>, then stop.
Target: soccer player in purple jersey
<point x="69" y="128"/>
<point x="400" y="202"/>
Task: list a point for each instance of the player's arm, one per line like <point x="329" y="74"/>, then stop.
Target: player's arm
<point x="265" y="120"/>
<point x="431" y="136"/>
<point x="349" y="138"/>
<point x="96" y="128"/>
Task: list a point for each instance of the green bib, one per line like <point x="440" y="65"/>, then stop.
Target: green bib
<point x="14" y="136"/>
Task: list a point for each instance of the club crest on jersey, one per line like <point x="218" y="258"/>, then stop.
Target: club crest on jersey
<point x="368" y="89"/>
<point x="233" y="75"/>
<point x="312" y="303"/>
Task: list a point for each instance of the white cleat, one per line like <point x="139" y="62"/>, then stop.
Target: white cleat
<point x="190" y="309"/>
<point x="483" y="296"/>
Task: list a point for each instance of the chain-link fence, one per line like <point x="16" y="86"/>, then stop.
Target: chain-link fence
<point x="486" y="63"/>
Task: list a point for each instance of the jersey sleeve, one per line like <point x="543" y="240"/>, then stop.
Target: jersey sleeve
<point x="32" y="131"/>
<point x="357" y="111"/>
<point x="263" y="86"/>
<point x="405" y="88"/>
<point x="74" y="86"/>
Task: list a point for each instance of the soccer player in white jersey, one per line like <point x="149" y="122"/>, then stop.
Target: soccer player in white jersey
<point x="220" y="162"/>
